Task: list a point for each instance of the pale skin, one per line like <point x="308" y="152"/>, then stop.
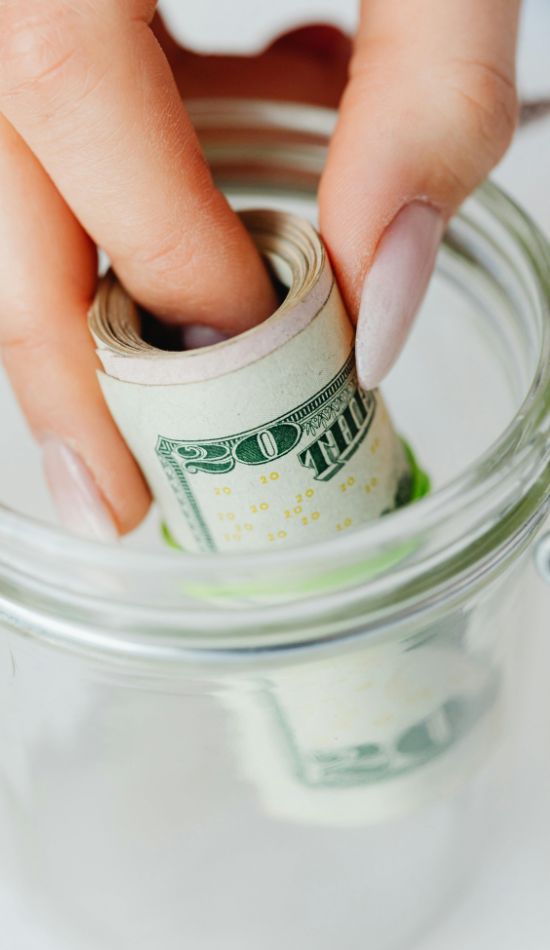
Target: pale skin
<point x="97" y="149"/>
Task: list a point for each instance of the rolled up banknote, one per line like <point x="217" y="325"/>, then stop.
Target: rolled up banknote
<point x="265" y="439"/>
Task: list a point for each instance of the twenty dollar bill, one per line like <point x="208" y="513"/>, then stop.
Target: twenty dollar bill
<point x="265" y="439"/>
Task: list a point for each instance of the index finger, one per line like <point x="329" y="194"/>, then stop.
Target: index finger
<point x="91" y="92"/>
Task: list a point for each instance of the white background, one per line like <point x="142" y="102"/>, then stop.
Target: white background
<point x="508" y="907"/>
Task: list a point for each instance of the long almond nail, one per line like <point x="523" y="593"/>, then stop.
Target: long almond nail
<point x="77" y="499"/>
<point x="394" y="289"/>
<point x="197" y="335"/>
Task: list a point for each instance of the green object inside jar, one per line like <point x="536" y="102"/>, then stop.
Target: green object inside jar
<point x="419" y="482"/>
<point x="416" y="486"/>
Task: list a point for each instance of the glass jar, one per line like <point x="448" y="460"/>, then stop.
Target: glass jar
<point x="300" y="746"/>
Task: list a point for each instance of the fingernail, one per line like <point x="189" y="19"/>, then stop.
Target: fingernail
<point x="394" y="288"/>
<point x="76" y="496"/>
<point x="196" y="335"/>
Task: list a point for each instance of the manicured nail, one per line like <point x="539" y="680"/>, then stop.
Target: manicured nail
<point x="394" y="288"/>
<point x="195" y="336"/>
<point x="76" y="496"/>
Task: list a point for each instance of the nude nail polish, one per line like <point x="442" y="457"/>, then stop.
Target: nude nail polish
<point x="197" y="335"/>
<point x="78" y="501"/>
<point x="394" y="288"/>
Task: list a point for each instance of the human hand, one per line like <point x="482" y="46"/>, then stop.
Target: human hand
<point x="96" y="147"/>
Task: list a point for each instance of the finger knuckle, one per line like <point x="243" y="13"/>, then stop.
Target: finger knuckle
<point x="20" y="335"/>
<point x="161" y="256"/>
<point x="36" y="43"/>
<point x="486" y="107"/>
<point x="169" y="246"/>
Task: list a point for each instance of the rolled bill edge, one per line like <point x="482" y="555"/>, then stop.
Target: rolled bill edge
<point x="265" y="439"/>
<point x="298" y="260"/>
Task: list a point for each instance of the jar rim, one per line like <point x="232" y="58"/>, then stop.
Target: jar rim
<point x="507" y="489"/>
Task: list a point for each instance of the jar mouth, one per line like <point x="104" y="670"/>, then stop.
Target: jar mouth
<point x="412" y="559"/>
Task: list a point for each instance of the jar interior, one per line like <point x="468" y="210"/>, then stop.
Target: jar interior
<point x="458" y="384"/>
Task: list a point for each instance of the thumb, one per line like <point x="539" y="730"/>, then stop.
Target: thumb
<point x="429" y="109"/>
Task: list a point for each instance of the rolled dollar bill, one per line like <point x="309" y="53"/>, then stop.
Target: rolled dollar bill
<point x="265" y="439"/>
<point x="367" y="736"/>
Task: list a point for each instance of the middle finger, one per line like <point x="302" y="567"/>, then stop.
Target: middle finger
<point x="89" y="89"/>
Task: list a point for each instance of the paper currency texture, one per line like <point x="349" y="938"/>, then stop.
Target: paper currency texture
<point x="264" y="440"/>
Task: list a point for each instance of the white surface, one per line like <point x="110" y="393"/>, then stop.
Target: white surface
<point x="508" y="907"/>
